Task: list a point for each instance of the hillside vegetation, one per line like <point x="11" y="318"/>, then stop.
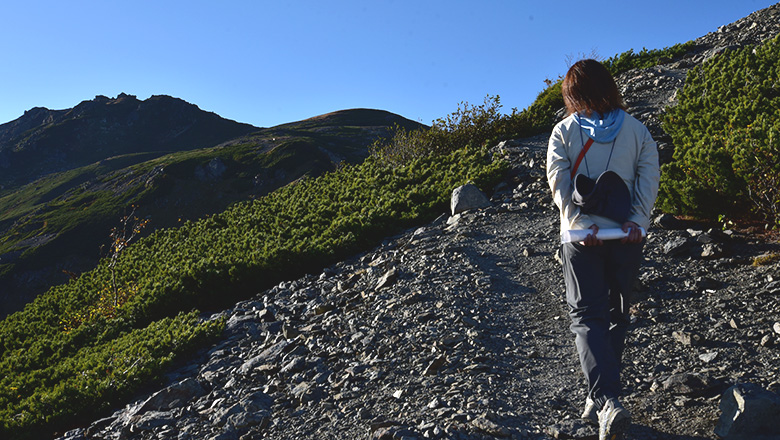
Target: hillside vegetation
<point x="726" y="131"/>
<point x="84" y="346"/>
<point x="74" y="351"/>
<point x="55" y="222"/>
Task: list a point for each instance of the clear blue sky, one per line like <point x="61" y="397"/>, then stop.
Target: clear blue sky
<point x="271" y="62"/>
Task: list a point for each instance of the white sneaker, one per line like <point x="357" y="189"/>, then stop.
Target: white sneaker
<point x="590" y="413"/>
<point x="613" y="420"/>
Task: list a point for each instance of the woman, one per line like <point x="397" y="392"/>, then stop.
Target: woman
<point x="599" y="275"/>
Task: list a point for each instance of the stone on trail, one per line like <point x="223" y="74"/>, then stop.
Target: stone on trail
<point x="177" y="394"/>
<point x="687" y="338"/>
<point x="668" y="221"/>
<point x="269" y="355"/>
<point x="691" y="384"/>
<point x="712" y="251"/>
<point x="467" y="197"/>
<point x="749" y="412"/>
<point x="572" y="429"/>
<point x="677" y="246"/>
<point x="490" y="427"/>
<point x="434" y="366"/>
<point x="388" y="279"/>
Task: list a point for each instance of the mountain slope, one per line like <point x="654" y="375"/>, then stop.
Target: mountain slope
<point x="43" y="141"/>
<point x="458" y="329"/>
<point x="56" y="224"/>
<point x="444" y="333"/>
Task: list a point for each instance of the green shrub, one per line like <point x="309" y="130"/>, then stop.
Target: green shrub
<point x="468" y="126"/>
<point x="539" y="117"/>
<point x="472" y="126"/>
<point x="42" y="395"/>
<point x="645" y="58"/>
<point x="725" y="129"/>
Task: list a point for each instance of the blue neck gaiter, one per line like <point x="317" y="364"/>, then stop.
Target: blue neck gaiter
<point x="604" y="129"/>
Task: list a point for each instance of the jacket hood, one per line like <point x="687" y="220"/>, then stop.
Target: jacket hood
<point x="604" y="129"/>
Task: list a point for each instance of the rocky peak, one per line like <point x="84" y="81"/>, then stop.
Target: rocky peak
<point x="44" y="141"/>
<point x="32" y="118"/>
<point x="753" y="29"/>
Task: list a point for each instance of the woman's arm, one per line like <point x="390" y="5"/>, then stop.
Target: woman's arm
<point x="559" y="179"/>
<point x="648" y="175"/>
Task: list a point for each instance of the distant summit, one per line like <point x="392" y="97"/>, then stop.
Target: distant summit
<point x="357" y="117"/>
<point x="43" y="141"/>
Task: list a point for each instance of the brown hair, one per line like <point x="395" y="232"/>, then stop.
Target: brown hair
<point x="588" y="86"/>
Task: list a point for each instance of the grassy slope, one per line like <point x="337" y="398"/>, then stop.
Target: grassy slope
<point x="252" y="245"/>
<point x="64" y="218"/>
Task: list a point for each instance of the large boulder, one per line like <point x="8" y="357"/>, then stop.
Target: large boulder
<point x="467" y="197"/>
<point x="749" y="412"/>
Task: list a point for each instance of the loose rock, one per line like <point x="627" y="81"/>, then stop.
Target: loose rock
<point x="749" y="412"/>
<point x="466" y="198"/>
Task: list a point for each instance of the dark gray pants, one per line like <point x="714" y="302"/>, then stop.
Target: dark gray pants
<point x="599" y="281"/>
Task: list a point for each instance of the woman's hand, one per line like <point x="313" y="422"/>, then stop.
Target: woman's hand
<point x="592" y="239"/>
<point x="634" y="233"/>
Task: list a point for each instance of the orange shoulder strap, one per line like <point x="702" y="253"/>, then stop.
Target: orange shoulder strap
<point x="585" y="149"/>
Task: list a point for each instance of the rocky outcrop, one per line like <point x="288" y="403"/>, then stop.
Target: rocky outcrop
<point x="467" y="197"/>
<point x="43" y="141"/>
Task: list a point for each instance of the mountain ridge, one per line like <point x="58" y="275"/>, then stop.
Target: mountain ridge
<point x="43" y="141"/>
<point x="102" y="166"/>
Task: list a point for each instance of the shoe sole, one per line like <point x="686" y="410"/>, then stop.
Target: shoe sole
<point x="615" y="429"/>
<point x="590" y="417"/>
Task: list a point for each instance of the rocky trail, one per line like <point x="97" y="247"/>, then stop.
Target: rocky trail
<point x="459" y="329"/>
